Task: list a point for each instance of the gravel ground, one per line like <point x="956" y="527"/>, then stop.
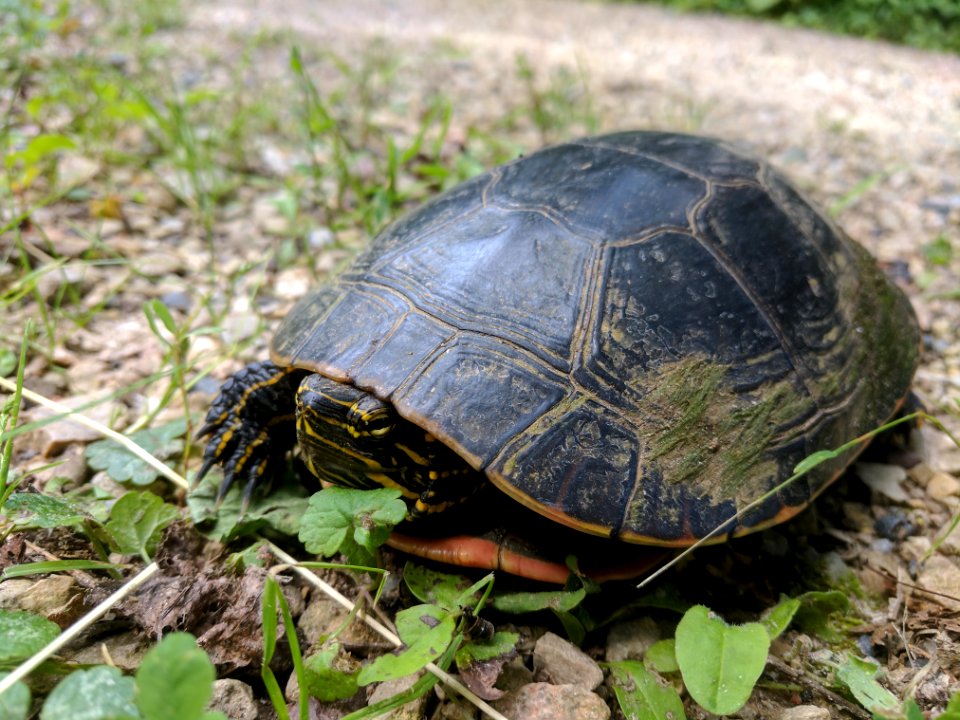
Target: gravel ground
<point x="870" y="129"/>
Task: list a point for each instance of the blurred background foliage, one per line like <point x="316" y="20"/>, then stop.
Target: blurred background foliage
<point x="930" y="24"/>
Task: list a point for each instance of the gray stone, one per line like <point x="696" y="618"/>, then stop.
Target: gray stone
<point x="513" y="675"/>
<point x="941" y="575"/>
<point x="805" y="712"/>
<point x="124" y="651"/>
<point x="884" y="479"/>
<point x="630" y="640"/>
<point x="234" y="699"/>
<point x="48" y="597"/>
<point x="560" y="662"/>
<point x="322" y="617"/>
<point x="543" y="701"/>
<point x="413" y="710"/>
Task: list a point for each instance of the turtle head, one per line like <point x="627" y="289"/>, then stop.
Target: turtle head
<point x="350" y="437"/>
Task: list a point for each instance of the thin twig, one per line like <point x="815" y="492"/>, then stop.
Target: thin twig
<point x="126" y="442"/>
<point x="382" y="629"/>
<point x="74" y="630"/>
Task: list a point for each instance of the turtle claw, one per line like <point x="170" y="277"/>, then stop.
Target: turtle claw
<point x="250" y="426"/>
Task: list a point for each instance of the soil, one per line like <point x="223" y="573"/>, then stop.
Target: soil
<point x="866" y="128"/>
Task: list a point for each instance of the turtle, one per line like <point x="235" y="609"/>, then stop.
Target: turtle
<point x="634" y="335"/>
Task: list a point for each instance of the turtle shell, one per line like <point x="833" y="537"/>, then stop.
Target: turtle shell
<point x="635" y="334"/>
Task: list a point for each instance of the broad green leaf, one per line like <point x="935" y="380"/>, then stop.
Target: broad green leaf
<point x="860" y="678"/>
<point x="501" y="644"/>
<point x="15" y="702"/>
<point x="353" y="522"/>
<point x="526" y="602"/>
<point x="720" y="663"/>
<point x="123" y="466"/>
<point x="34" y="510"/>
<point x="662" y="656"/>
<point x="816" y="611"/>
<point x="432" y="586"/>
<point x="175" y="680"/>
<point x="326" y="681"/>
<point x="100" y="693"/>
<point x="136" y="521"/>
<point x="23" y="633"/>
<point x="641" y="695"/>
<point x="281" y="510"/>
<point x="778" y="618"/>
<point x="426" y="632"/>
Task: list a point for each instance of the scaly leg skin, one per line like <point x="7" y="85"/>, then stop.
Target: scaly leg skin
<point x="251" y="426"/>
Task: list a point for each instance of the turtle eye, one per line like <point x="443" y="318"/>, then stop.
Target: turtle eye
<point x="370" y="417"/>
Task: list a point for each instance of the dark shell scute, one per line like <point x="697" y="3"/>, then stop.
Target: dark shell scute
<point x="669" y="298"/>
<point x="574" y="460"/>
<point x="467" y="274"/>
<point x="409" y="347"/>
<point x="478" y="388"/>
<point x="701" y="157"/>
<point x="593" y="190"/>
<point x="352" y="329"/>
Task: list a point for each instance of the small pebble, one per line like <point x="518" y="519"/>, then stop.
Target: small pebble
<point x="941" y="575"/>
<point x="942" y="486"/>
<point x="234" y="699"/>
<point x="159" y="263"/>
<point x="884" y="479"/>
<point x="560" y="662"/>
<point x="543" y="701"/>
<point x="413" y="710"/>
<point x="895" y="526"/>
<point x="177" y="300"/>
<point x="805" y="712"/>
<point x="319" y="238"/>
<point x="630" y="640"/>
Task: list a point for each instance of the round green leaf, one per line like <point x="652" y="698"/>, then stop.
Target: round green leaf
<point x="175" y="679"/>
<point x="15" y="702"/>
<point x="353" y="522"/>
<point x="22" y="634"/>
<point x="101" y="693"/>
<point x="720" y="663"/>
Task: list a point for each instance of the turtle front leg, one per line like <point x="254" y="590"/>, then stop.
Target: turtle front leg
<point x="251" y="425"/>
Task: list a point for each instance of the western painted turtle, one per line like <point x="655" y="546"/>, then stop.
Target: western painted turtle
<point x="633" y="335"/>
